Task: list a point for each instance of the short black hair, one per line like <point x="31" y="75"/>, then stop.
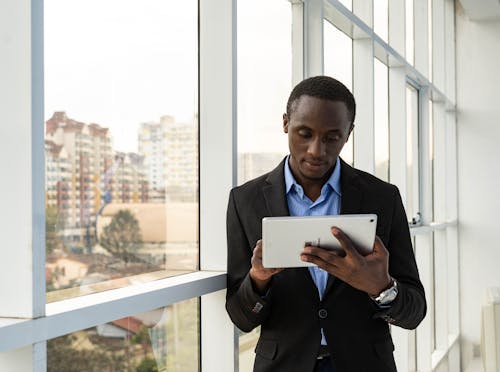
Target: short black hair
<point x="324" y="87"/>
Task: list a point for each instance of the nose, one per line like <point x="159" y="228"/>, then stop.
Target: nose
<point x="316" y="147"/>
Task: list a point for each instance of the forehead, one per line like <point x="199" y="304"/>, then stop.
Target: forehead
<point x="308" y="107"/>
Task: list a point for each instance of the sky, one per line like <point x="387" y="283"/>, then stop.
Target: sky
<point x="119" y="63"/>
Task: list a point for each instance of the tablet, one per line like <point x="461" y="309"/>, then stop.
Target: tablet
<point x="284" y="238"/>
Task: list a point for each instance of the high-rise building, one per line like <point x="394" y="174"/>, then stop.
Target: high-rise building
<point x="129" y="181"/>
<point x="57" y="177"/>
<point x="83" y="174"/>
<point x="170" y="151"/>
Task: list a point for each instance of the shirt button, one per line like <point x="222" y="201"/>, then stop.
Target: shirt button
<point x="322" y="313"/>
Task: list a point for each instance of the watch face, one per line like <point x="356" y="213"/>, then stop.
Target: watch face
<point x="388" y="295"/>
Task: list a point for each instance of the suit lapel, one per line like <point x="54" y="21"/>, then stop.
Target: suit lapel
<point x="275" y="193"/>
<point x="350" y="204"/>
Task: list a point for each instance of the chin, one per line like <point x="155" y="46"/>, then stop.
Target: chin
<point x="314" y="176"/>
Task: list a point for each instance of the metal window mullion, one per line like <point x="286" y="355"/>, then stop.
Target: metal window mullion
<point x="22" y="267"/>
<point x="453" y="280"/>
<point x="420" y="16"/>
<point x="218" y="140"/>
<point x="297" y="41"/>
<point x="363" y="90"/>
<point x="449" y="46"/>
<point x="423" y="255"/>
<point x="438" y="44"/>
<point x="83" y="312"/>
<point x="452" y="231"/>
<point x="397" y="128"/>
<point x="313" y="37"/>
<point x="441" y="293"/>
<point x="364" y="10"/>
<point x="397" y="29"/>
<point x="451" y="166"/>
<point x="425" y="170"/>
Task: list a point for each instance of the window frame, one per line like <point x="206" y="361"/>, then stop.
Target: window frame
<point x="26" y="322"/>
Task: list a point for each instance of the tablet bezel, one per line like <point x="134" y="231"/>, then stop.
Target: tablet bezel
<point x="284" y="238"/>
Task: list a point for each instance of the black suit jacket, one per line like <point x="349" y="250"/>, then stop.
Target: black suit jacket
<point x="291" y="313"/>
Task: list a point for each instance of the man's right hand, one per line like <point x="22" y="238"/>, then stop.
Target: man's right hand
<point x="260" y="275"/>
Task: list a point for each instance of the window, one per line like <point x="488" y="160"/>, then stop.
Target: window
<point x="410" y="33"/>
<point x="97" y="76"/>
<point x="381" y="19"/>
<point x="412" y="155"/>
<point x="165" y="339"/>
<point x="381" y="114"/>
<point x="264" y="83"/>
<point x="338" y="64"/>
<point x="90" y="49"/>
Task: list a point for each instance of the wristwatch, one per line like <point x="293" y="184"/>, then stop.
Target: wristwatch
<point x="387" y="296"/>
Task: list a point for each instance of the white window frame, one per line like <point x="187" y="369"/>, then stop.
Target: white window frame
<point x="26" y="322"/>
<point x="437" y="337"/>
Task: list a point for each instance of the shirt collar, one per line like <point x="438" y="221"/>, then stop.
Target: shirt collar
<point x="333" y="181"/>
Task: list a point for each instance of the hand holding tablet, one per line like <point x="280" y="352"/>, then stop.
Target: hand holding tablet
<point x="284" y="238"/>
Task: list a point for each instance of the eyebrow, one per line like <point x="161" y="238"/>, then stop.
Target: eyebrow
<point x="303" y="126"/>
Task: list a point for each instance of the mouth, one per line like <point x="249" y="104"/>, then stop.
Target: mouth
<point x="314" y="164"/>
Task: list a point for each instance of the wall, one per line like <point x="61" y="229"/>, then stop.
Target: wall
<point x="478" y="120"/>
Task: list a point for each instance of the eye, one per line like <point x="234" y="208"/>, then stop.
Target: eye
<point x="304" y="133"/>
<point x="332" y="138"/>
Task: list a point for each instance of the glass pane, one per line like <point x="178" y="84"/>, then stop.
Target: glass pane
<point x="412" y="156"/>
<point x="121" y="142"/>
<point x="429" y="38"/>
<point x="381" y="109"/>
<point x="347" y="4"/>
<point x="247" y="342"/>
<point x="165" y="339"/>
<point x="338" y="64"/>
<point x="381" y="18"/>
<point x="410" y="35"/>
<point x="264" y="83"/>
<point x="431" y="155"/>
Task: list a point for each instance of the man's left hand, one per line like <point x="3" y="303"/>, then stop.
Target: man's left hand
<point x="368" y="273"/>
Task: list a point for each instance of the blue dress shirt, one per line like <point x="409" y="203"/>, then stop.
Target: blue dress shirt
<point x="328" y="203"/>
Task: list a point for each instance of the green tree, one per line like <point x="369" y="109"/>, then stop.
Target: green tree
<point x="52" y="240"/>
<point x="147" y="365"/>
<point x="63" y="356"/>
<point x="122" y="237"/>
<point x="142" y="338"/>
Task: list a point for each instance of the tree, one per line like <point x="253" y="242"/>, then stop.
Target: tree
<point x="122" y="237"/>
<point x="63" y="355"/>
<point x="147" y="365"/>
<point x="52" y="240"/>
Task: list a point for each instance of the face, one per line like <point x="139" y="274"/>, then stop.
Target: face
<point x="317" y="130"/>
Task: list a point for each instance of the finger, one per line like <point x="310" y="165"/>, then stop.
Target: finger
<point x="318" y="261"/>
<point x="345" y="242"/>
<point x="379" y="247"/>
<point x="257" y="251"/>
<point x="324" y="254"/>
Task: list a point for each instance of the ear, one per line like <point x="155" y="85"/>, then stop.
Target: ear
<point x="350" y="131"/>
<point x="285" y="123"/>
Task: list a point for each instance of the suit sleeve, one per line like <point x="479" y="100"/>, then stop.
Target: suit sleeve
<point x="246" y="308"/>
<point x="409" y="307"/>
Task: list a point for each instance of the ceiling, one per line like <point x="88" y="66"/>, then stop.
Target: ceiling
<point x="481" y="10"/>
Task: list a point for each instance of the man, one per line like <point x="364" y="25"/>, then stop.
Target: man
<point x="333" y="317"/>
